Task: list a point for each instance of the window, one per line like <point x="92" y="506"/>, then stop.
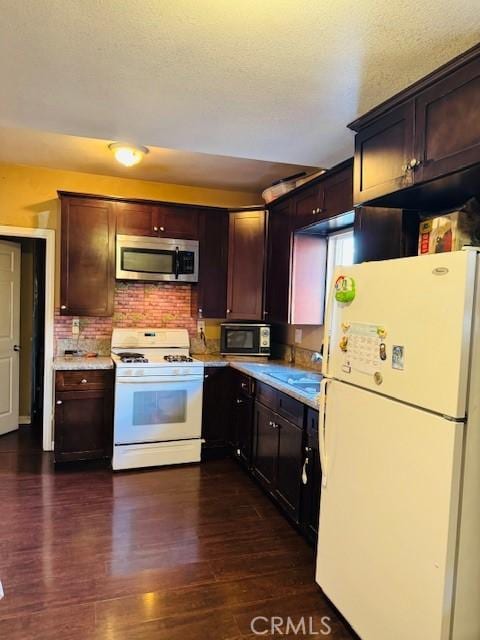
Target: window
<point x="339" y="252"/>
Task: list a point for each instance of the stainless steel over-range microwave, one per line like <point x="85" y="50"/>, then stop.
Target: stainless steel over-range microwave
<point x="156" y="259"/>
<point x="240" y="339"/>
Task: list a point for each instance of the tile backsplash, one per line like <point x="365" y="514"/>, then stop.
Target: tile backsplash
<point x="136" y="305"/>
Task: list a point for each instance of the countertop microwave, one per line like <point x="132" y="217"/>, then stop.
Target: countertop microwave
<point x="156" y="259"/>
<point x="240" y="339"/>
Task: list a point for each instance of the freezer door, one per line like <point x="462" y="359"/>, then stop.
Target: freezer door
<point x="406" y="333"/>
<point x="388" y="515"/>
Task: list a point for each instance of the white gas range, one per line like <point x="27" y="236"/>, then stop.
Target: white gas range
<point x="158" y="398"/>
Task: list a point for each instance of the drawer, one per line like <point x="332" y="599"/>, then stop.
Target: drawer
<point x="267" y="395"/>
<point x="291" y="409"/>
<point x="242" y="384"/>
<point x="87" y="379"/>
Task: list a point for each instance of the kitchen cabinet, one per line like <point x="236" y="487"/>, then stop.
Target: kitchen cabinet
<point x="278" y="447"/>
<point x="87" y="280"/>
<point x="312" y="479"/>
<point x="83" y="415"/>
<point x="426" y="132"/>
<point x="211" y="298"/>
<point x="306" y="207"/>
<point x="157" y="220"/>
<point x="216" y="412"/>
<point x="336" y="189"/>
<point x="241" y="418"/>
<point x="246" y="256"/>
<point x="279" y="259"/>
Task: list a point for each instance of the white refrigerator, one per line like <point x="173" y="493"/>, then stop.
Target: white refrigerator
<point x="399" y="535"/>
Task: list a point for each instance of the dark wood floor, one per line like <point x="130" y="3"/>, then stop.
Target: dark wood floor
<point x="180" y="553"/>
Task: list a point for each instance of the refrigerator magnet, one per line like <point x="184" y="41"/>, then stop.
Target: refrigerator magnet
<point x="344" y="289"/>
<point x="398" y="357"/>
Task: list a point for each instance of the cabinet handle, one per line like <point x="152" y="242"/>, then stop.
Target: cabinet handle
<point x="228" y="311"/>
<point x="239" y="401"/>
<point x="155" y="228"/>
<point x="63" y="306"/>
<point x="83" y="381"/>
<point x="162" y="228"/>
<point x="59" y="402"/>
<point x="304" y="471"/>
<point x="206" y="376"/>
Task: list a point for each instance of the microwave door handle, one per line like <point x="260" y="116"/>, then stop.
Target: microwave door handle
<point x="177" y="263"/>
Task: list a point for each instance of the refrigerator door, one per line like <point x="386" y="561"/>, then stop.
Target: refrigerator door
<point x="388" y="515"/>
<point x="406" y="333"/>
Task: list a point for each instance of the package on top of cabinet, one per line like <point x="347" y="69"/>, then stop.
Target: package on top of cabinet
<point x="451" y="231"/>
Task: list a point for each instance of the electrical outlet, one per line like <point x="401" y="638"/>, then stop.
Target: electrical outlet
<point x="298" y="336"/>
<point x="75" y="326"/>
<point x="200" y="326"/>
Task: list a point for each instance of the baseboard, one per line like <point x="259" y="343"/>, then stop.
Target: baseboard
<point x="24" y="420"/>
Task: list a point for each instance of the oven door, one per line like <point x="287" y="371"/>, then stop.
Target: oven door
<point x="157" y="409"/>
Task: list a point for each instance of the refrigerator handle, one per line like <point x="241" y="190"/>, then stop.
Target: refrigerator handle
<point x="327" y="329"/>
<point x="321" y="429"/>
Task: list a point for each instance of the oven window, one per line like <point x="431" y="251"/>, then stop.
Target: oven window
<point x="240" y="339"/>
<point x="159" y="407"/>
<point x="148" y="260"/>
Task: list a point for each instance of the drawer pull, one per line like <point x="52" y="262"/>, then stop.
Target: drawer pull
<point x="83" y="381"/>
<point x="59" y="402"/>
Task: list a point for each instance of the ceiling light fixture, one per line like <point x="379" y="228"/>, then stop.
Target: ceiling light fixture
<point x="127" y="154"/>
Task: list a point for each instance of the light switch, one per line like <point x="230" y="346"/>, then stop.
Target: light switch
<point x="75" y="326"/>
<point x="200" y="326"/>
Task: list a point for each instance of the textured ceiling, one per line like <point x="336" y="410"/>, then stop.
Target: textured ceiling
<point x="273" y="80"/>
<point x="92" y="155"/>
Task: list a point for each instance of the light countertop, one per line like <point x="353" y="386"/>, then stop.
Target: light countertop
<point x="76" y="363"/>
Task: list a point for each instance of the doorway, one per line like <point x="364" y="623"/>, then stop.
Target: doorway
<point x="34" y="402"/>
<point x="22" y="336"/>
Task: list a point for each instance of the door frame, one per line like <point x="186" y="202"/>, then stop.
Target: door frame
<point x="49" y="236"/>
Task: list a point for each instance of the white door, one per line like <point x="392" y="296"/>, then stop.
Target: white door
<point x="157" y="409"/>
<point x="9" y="335"/>
<point x="388" y="515"/>
<point x="422" y="309"/>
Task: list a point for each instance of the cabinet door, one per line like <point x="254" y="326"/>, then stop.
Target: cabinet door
<point x="312" y="477"/>
<point x="337" y="193"/>
<point x="279" y="256"/>
<point x="216" y="411"/>
<point x="136" y="219"/>
<point x="382" y="152"/>
<point x="447" y="124"/>
<point x="83" y="425"/>
<point x="178" y="222"/>
<point x="289" y="467"/>
<point x="242" y="428"/>
<point x="88" y="257"/>
<point x="265" y="446"/>
<point x="211" y="299"/>
<point x="246" y="254"/>
<point x="306" y="207"/>
<point x="378" y="234"/>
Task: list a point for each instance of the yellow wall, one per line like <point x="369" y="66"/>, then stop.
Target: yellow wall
<point x="28" y="195"/>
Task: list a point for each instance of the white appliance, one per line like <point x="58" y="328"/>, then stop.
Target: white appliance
<point x="399" y="535"/>
<point x="158" y="398"/>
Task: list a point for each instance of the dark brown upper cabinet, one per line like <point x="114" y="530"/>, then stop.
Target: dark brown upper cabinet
<point x="337" y="191"/>
<point x="447" y="124"/>
<point x="87" y="257"/>
<point x="306" y="207"/>
<point x="157" y="220"/>
<point x="246" y="256"/>
<point x="136" y="219"/>
<point x="382" y="153"/>
<point x="428" y="132"/>
<point x="211" y="298"/>
<point x="279" y="260"/>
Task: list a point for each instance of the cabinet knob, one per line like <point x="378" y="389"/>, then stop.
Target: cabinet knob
<point x="63" y="306"/>
<point x="155" y="228"/>
<point x="313" y="211"/>
<point x="83" y="381"/>
<point x="206" y="376"/>
<point x="162" y="228"/>
<point x="239" y="401"/>
<point x="228" y="311"/>
<point x="59" y="402"/>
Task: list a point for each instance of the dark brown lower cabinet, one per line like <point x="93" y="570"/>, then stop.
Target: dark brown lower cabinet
<point x="312" y="479"/>
<point x="241" y="418"/>
<point x="83" y="415"/>
<point x="216" y="412"/>
<point x="277" y="458"/>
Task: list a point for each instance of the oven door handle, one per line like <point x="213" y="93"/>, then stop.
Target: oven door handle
<point x="156" y="379"/>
